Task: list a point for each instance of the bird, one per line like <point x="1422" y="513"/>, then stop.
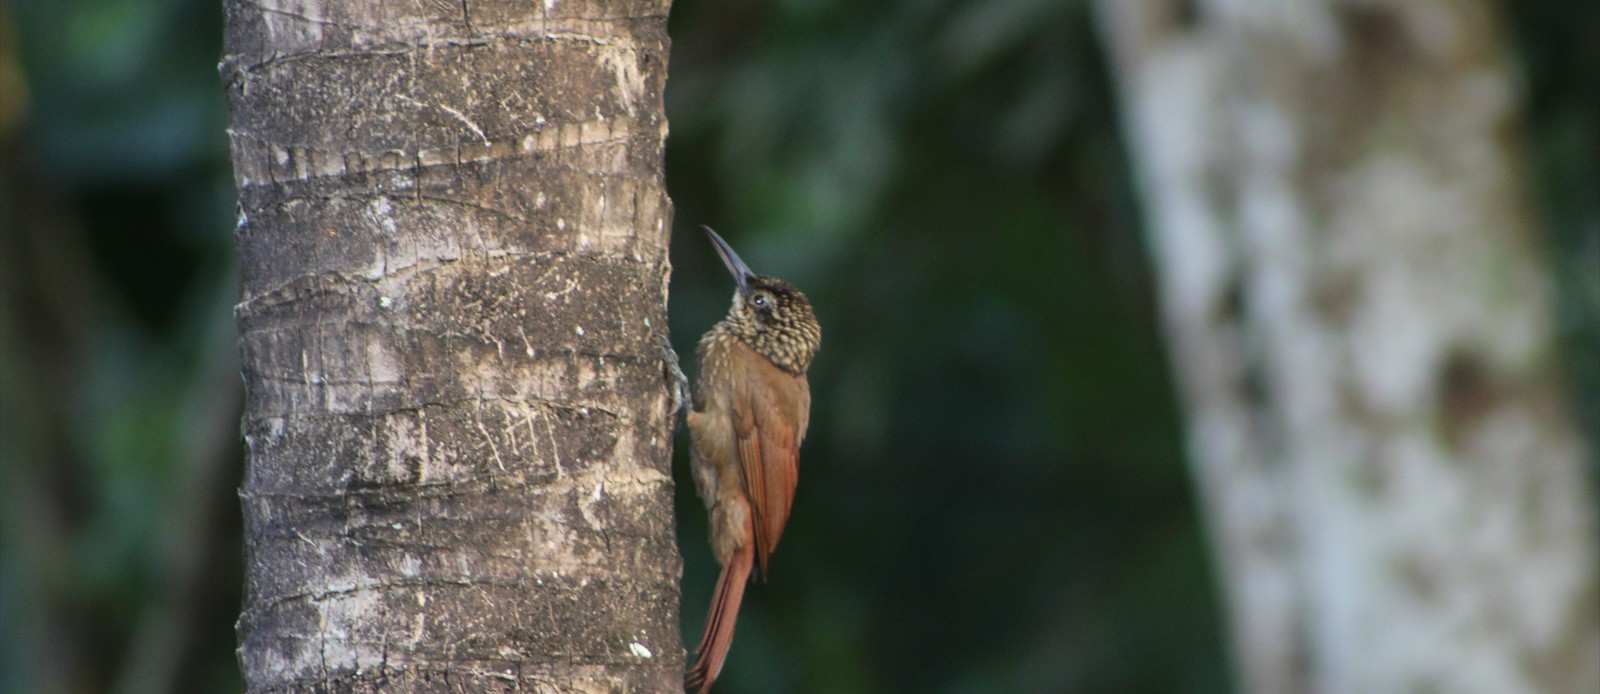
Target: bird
<point x="749" y="410"/>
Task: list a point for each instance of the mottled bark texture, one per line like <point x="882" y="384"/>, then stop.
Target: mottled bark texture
<point x="1356" y="304"/>
<point x="453" y="246"/>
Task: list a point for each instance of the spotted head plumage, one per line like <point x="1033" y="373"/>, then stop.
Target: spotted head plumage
<point x="769" y="314"/>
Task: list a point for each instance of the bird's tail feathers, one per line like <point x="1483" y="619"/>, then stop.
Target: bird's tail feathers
<point x="713" y="649"/>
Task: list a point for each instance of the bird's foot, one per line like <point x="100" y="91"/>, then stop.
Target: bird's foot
<point x="677" y="383"/>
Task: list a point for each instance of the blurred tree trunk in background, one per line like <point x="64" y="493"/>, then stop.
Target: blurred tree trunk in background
<point x="1356" y="306"/>
<point x="452" y="240"/>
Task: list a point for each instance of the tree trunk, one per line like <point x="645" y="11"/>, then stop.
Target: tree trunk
<point x="1356" y="303"/>
<point x="453" y="244"/>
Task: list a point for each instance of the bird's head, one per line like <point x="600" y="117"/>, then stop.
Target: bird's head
<point x="769" y="314"/>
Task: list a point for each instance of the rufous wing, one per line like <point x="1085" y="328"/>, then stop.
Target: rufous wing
<point x="769" y="420"/>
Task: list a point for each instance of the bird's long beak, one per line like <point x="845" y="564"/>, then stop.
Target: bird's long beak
<point x="741" y="272"/>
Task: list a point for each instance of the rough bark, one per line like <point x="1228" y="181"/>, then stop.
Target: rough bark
<point x="453" y="249"/>
<point x="1356" y="306"/>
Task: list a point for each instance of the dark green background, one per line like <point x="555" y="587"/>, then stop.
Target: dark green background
<point x="994" y="494"/>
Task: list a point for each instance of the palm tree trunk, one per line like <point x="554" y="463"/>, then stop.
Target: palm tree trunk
<point x="453" y="248"/>
<point x="1357" y="308"/>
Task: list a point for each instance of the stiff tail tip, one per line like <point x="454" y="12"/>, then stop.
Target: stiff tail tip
<point x="713" y="649"/>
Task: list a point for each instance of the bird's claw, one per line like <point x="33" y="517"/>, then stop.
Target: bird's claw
<point x="677" y="383"/>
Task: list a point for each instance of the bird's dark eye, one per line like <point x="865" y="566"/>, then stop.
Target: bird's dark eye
<point x="760" y="300"/>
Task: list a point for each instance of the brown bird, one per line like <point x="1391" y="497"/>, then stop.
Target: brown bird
<point x="751" y="405"/>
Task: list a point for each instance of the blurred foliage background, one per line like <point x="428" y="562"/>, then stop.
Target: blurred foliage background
<point x="995" y="496"/>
